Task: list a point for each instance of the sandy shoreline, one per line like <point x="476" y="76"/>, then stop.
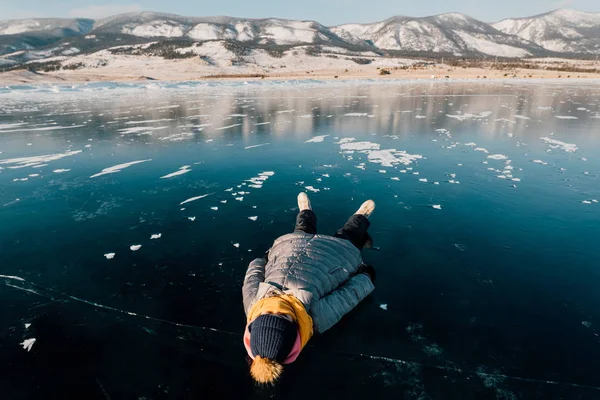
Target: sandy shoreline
<point x="184" y="74"/>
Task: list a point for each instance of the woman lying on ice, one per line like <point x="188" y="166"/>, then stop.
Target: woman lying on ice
<point x="306" y="284"/>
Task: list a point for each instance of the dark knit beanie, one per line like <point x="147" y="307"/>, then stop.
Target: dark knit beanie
<point x="272" y="337"/>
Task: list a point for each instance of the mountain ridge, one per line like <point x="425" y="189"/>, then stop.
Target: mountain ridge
<point x="556" y="33"/>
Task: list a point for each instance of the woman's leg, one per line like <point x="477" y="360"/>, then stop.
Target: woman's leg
<point x="306" y="221"/>
<point x="355" y="230"/>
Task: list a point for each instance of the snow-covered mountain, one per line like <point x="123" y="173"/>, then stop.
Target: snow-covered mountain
<point x="48" y="25"/>
<point x="562" y="31"/>
<point x="27" y="34"/>
<point x="262" y="31"/>
<point x="453" y="33"/>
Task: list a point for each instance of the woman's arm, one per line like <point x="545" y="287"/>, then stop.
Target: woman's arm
<point x="254" y="276"/>
<point x="330" y="309"/>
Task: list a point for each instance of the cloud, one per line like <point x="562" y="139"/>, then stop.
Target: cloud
<point x="104" y="11"/>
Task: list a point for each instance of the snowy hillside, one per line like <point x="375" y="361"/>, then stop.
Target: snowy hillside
<point x="28" y="34"/>
<point x="567" y="32"/>
<point x="48" y="25"/>
<point x="272" y="30"/>
<point x="563" y="31"/>
<point x="452" y="33"/>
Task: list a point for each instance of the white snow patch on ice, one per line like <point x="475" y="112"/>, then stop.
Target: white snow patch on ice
<point x="467" y="116"/>
<point x="557" y="144"/>
<point x="345" y="140"/>
<point x="254" y="218"/>
<point x="384" y="307"/>
<point x="355" y="114"/>
<point x="183" y="170"/>
<point x="317" y="139"/>
<point x="359" y="146"/>
<point x="194" y="198"/>
<point x="156" y="236"/>
<point x="118" y="168"/>
<point x="256" y="145"/>
<point x="497" y="157"/>
<point x="23" y="162"/>
<point x="109" y="256"/>
<point x="391" y="157"/>
<point x="135" y="247"/>
<point x="437" y="206"/>
<point x="28" y="344"/>
<point x="227" y="127"/>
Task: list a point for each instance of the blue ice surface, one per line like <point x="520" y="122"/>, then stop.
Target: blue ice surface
<point x="493" y="295"/>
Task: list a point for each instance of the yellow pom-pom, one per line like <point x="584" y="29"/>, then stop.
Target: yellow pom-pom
<point x="265" y="370"/>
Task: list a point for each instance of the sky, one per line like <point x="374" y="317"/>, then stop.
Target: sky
<point x="328" y="12"/>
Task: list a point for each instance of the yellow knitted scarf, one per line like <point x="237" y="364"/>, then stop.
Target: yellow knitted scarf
<point x="288" y="305"/>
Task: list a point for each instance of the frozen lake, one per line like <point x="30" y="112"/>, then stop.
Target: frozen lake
<point x="129" y="214"/>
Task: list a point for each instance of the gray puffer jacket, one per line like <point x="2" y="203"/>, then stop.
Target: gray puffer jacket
<point x="318" y="270"/>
